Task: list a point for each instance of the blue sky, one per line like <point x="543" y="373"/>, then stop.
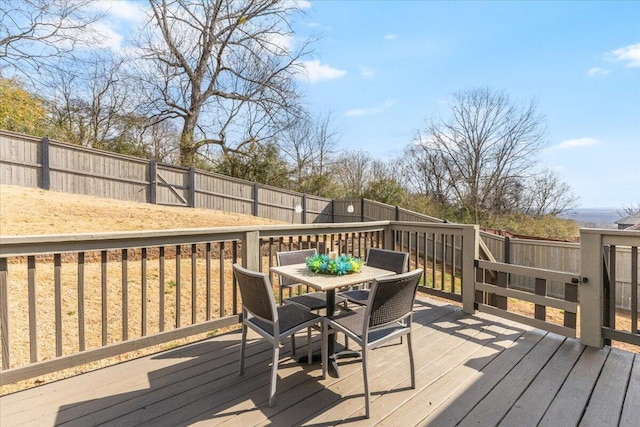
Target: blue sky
<point x="392" y="65"/>
<point x="385" y="67"/>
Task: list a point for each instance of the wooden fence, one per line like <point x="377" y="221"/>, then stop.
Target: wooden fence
<point x="53" y="165"/>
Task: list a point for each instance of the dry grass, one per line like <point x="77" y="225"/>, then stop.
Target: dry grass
<point x="27" y="211"/>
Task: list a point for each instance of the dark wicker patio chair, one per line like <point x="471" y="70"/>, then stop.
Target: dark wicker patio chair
<point x="272" y="322"/>
<point x="380" y="258"/>
<point x="387" y="316"/>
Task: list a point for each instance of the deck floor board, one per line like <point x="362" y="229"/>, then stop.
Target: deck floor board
<point x="478" y="369"/>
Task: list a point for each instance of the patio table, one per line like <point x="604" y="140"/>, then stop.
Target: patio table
<point x="329" y="283"/>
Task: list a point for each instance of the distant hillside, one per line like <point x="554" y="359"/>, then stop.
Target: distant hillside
<point x="594" y="217"/>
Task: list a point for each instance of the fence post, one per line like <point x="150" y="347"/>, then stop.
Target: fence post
<point x="153" y="182"/>
<point x="397" y="213"/>
<point x="507" y="250"/>
<point x="251" y="250"/>
<point x="303" y="202"/>
<point x="46" y="170"/>
<point x="333" y="212"/>
<point x="192" y="187"/>
<point x="590" y="291"/>
<point x="361" y="209"/>
<point x="470" y="252"/>
<point x="256" y="189"/>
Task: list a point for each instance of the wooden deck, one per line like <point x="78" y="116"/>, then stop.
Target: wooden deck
<point x="471" y="370"/>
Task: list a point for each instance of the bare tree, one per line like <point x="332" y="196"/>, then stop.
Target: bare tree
<point x="629" y="210"/>
<point x="424" y="171"/>
<point x="353" y="172"/>
<point x="308" y="146"/>
<point x="544" y="194"/>
<point x="486" y="147"/>
<point x="223" y="69"/>
<point x="36" y="34"/>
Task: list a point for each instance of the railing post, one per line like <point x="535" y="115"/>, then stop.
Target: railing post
<point x="590" y="291"/>
<point x="46" y="169"/>
<point x="251" y="250"/>
<point x="470" y="252"/>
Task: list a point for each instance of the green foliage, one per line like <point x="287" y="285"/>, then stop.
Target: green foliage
<point x="260" y="163"/>
<point x="386" y="190"/>
<point x="21" y="111"/>
<point x="548" y="227"/>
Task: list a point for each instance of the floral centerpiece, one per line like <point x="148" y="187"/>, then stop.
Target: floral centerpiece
<point x="334" y="264"/>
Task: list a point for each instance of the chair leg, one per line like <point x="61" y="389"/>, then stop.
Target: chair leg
<point x="411" y="363"/>
<point x="274" y="372"/>
<point x="365" y="375"/>
<point x="243" y="343"/>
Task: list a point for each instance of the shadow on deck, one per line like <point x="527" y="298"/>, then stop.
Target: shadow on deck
<point x="479" y="370"/>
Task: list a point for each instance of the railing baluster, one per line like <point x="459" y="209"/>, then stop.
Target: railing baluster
<point x="143" y="292"/>
<point x="453" y="264"/>
<point x="4" y="313"/>
<point x="33" y="343"/>
<point x="612" y="287"/>
<point x="57" y="286"/>
<point x="178" y="279"/>
<point x="433" y="261"/>
<point x="125" y="296"/>
<point x="161" y="288"/>
<point x="208" y="280"/>
<point x="194" y="283"/>
<point x="221" y="279"/>
<point x="443" y="259"/>
<point x="540" y="289"/>
<point x="634" y="289"/>
<point x="103" y="283"/>
<point x="81" y="322"/>
<point x="571" y="295"/>
<point x="234" y="291"/>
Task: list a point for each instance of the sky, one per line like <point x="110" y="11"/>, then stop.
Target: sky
<point x="384" y="68"/>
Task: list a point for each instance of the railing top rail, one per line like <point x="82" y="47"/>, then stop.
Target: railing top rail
<point x="58" y="243"/>
<point x="541" y="273"/>
<point x="437" y="227"/>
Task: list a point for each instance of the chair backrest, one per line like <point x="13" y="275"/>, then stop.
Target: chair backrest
<point x="256" y="292"/>
<point x="392" y="298"/>
<point x="388" y="260"/>
<point x="292" y="257"/>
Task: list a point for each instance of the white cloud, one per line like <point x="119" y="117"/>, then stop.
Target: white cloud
<point x="629" y="54"/>
<point x="314" y="71"/>
<point x="371" y="110"/>
<point x="127" y="10"/>
<point x="107" y="37"/>
<point x="597" y="71"/>
<point x="302" y="4"/>
<point x="578" y="142"/>
<point x="367" y="72"/>
<point x="390" y="36"/>
<point x="280" y="43"/>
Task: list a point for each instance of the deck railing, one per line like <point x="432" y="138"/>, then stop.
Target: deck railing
<point x="600" y="320"/>
<point x="67" y="300"/>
